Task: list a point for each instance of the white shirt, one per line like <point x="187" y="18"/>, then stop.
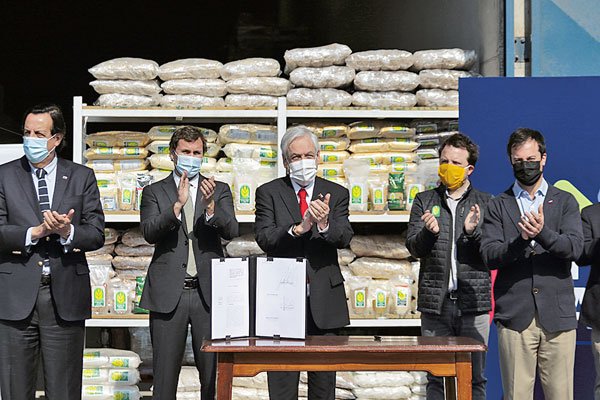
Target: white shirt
<point x="193" y="191"/>
<point x="50" y="179"/>
<point x="309" y="193"/>
<point x="452" y="205"/>
<point x="526" y="204"/>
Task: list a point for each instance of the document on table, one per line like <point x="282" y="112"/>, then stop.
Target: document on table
<point x="230" y="310"/>
<point x="281" y="297"/>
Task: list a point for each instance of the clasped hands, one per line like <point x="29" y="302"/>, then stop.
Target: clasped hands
<point x="317" y="213"/>
<point x="54" y="223"/>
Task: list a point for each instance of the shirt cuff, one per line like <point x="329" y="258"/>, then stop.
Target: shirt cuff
<point x="208" y="217"/>
<point x="325" y="230"/>
<point x="67" y="242"/>
<point x="28" y="241"/>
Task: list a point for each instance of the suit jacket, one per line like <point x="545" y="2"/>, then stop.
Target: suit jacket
<point x="20" y="268"/>
<point x="277" y="210"/>
<point x="539" y="278"/>
<point x="590" y="313"/>
<point x="160" y="226"/>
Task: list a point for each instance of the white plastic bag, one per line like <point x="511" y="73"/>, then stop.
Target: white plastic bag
<point x="190" y="68"/>
<point x="323" y="56"/>
<point x="325" y="77"/>
<point x="127" y="100"/>
<point x="444" y="59"/>
<point x="110" y="358"/>
<point x="142" y="88"/>
<point x="383" y="99"/>
<point x="202" y="87"/>
<point x="383" y="81"/>
<point x="250" y="100"/>
<point x="250" y="67"/>
<point x="442" y="78"/>
<point x="381" y="268"/>
<point x="125" y="68"/>
<point x="191" y="101"/>
<point x="248" y="133"/>
<point x="305" y="97"/>
<point x="357" y="172"/>
<point x="270" y="86"/>
<point x="380" y="60"/>
<point x="437" y="98"/>
<point x="383" y="246"/>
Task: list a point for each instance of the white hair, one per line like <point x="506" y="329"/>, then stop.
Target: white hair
<point x="294" y="133"/>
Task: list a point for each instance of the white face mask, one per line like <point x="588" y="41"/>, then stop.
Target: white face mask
<point x="303" y="171"/>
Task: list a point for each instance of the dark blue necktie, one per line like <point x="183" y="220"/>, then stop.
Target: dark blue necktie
<point x="43" y="196"/>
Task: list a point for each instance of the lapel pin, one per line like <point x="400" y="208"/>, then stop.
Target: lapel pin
<point x="65" y="177"/>
<point x="550" y="201"/>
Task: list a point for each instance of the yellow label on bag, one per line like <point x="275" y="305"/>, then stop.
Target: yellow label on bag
<point x="244" y="194"/>
<point x="359" y="298"/>
<point x="91" y="373"/>
<point x="99" y="297"/>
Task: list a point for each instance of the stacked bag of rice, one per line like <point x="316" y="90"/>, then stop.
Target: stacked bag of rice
<point x="126" y="82"/>
<point x="254" y="82"/>
<point x="192" y="83"/>
<point x="381" y="280"/>
<point x="110" y="374"/>
<point x="319" y="74"/>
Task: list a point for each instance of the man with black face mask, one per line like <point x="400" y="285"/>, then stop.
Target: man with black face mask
<point x="531" y="234"/>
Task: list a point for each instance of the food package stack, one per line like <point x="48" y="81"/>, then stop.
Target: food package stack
<point x="382" y="79"/>
<point x="243" y="246"/>
<point x="430" y="134"/>
<point x="387" y="385"/>
<point x="251" y="151"/>
<point x="126" y="82"/>
<point x="439" y="72"/>
<point x="333" y="146"/>
<point x="101" y="271"/>
<point x="160" y="157"/>
<point x="319" y="75"/>
<point x="254" y="82"/>
<point x="110" y="374"/>
<point x="192" y="83"/>
<point x="380" y="278"/>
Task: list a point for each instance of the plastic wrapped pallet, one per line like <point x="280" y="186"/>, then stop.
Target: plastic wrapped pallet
<point x="333" y="157"/>
<point x="117" y="139"/>
<point x="304" y="97"/>
<point x="325" y="77"/>
<point x="383" y="99"/>
<point x="444" y="59"/>
<point x="270" y="86"/>
<point x="110" y="392"/>
<point x="115" y="153"/>
<point x="442" y="78"/>
<point x="324" y="130"/>
<point x="244" y="246"/>
<point x="334" y="144"/>
<point x="191" y="101"/>
<point x="110" y="358"/>
<point x="380" y="60"/>
<point x="138" y="251"/>
<point x="381" y="378"/>
<point x="381" y="268"/>
<point x="385" y="81"/>
<point x="384" y="246"/>
<point x="125" y="68"/>
<point x="117" y="165"/>
<point x="250" y="67"/>
<point x="255" y="151"/>
<point x="133" y="237"/>
<point x="164" y="132"/>
<point x="202" y="87"/>
<point x="437" y="98"/>
<point x="111" y="376"/>
<point x="248" y="133"/>
<point x="250" y="100"/>
<point x="383" y="393"/>
<point x="190" y="68"/>
<point x="345" y="256"/>
<point x="323" y="56"/>
<point x="127" y="100"/>
<point x="142" y="88"/>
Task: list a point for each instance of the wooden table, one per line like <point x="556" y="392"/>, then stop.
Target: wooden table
<point x="441" y="356"/>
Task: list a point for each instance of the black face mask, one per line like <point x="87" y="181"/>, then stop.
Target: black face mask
<point x="527" y="172"/>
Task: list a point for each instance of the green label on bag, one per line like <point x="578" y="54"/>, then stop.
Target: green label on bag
<point x="359" y="298"/>
<point x="91" y="373"/>
<point x="245" y="194"/>
<point x="435" y="210"/>
<point x="131" y="144"/>
<point x="90" y="355"/>
<point x="119" y="376"/>
<point x="380" y="299"/>
<point x="330" y="158"/>
<point x="402" y="297"/>
<point x="328" y="147"/>
<point x="120" y="301"/>
<point x="119" y="362"/>
<point x="356" y="194"/>
<point x="98" y="297"/>
<point x="132" y="151"/>
<point x="93" y="390"/>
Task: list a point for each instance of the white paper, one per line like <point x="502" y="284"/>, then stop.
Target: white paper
<point x="280" y="297"/>
<point x="230" y="311"/>
<point x="279" y="343"/>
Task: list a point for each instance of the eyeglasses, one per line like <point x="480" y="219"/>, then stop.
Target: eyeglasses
<point x="297" y="157"/>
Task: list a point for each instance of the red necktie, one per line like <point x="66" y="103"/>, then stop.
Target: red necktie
<point x="303" y="204"/>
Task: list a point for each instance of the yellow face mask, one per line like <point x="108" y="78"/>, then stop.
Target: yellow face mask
<point x="452" y="176"/>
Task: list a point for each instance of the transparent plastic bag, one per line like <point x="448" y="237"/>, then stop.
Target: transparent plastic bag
<point x="383" y="99"/>
<point x="191" y="101"/>
<point x="437" y="98"/>
<point x="382" y="246"/>
<point x="379" y="297"/>
<point x="330" y="170"/>
<point x="442" y="78"/>
<point x="270" y="86"/>
<point x="334" y="144"/>
<point x="250" y="100"/>
<point x="158" y="147"/>
<point x="304" y="97"/>
<point x="111" y="376"/>
<point x="248" y="133"/>
<point x="380" y="268"/>
<point x="401" y="291"/>
<point x="109" y="392"/>
<point x="444" y="59"/>
<point x="115" y="153"/>
<point x="133" y="237"/>
<point x="99" y="278"/>
<point x="259" y="152"/>
<point x="357" y="292"/>
<point x="190" y="68"/>
<point x="142" y="88"/>
<point x="333" y="157"/>
<point x="125" y="68"/>
<point x="202" y="87"/>
<point x="386" y="158"/>
<point x="383" y="145"/>
<point x="164" y="132"/>
<point x="244" y="246"/>
<point x="357" y="172"/>
<point x="325" y="77"/>
<point x="385" y="81"/>
<point x="244" y="182"/>
<point x="250" y="67"/>
<point x="345" y="256"/>
<point x="378" y="188"/>
<point x="127" y="100"/>
<point x="126" y="191"/>
<point x="380" y="60"/>
<point x="117" y="139"/>
<point x="323" y="56"/>
<point x="121" y="294"/>
<point x="107" y="358"/>
<point x="327" y="129"/>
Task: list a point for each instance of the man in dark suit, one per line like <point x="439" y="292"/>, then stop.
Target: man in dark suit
<point x="590" y="314"/>
<point x="302" y="215"/>
<point x="531" y="234"/>
<point x="185" y="215"/>
<point x="50" y="215"/>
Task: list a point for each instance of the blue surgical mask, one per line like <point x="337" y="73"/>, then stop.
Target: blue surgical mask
<point x="189" y="164"/>
<point x="36" y="149"/>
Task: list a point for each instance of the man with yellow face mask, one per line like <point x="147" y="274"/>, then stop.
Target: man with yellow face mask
<point x="444" y="232"/>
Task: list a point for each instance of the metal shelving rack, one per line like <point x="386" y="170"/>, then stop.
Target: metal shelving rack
<point x="281" y="116"/>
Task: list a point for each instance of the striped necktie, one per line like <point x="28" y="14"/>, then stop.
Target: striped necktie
<point x="44" y="200"/>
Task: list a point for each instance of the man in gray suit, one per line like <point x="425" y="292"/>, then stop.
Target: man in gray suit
<point x="531" y="235"/>
<point x="50" y="215"/>
<point x="185" y="215"/>
<point x="302" y="215"/>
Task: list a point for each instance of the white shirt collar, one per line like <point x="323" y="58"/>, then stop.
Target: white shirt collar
<point x="518" y="191"/>
<point x="193" y="181"/>
<point x="309" y="188"/>
<point x="50" y="168"/>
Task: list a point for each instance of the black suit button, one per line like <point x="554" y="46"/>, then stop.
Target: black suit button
<point x="535" y="290"/>
<point x="186" y="243"/>
<point x="184" y="265"/>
